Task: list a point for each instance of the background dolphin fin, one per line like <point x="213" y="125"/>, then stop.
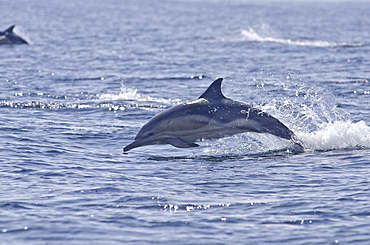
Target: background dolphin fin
<point x="214" y="92"/>
<point x="10" y="29"/>
<point x="177" y="142"/>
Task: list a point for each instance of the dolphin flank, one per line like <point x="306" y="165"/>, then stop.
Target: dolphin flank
<point x="9" y="37"/>
<point x="211" y="116"/>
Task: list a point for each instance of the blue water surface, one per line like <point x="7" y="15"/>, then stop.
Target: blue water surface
<point x="96" y="71"/>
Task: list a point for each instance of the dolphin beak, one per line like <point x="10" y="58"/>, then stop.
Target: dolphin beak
<point x="132" y="145"/>
<point x="139" y="142"/>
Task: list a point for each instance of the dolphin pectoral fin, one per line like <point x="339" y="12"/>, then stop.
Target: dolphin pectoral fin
<point x="177" y="142"/>
<point x="297" y="145"/>
<point x="297" y="148"/>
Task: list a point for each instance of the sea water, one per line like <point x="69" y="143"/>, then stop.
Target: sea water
<point x="96" y="71"/>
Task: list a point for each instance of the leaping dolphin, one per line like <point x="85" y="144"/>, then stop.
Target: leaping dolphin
<point x="9" y="37"/>
<point x="211" y="116"/>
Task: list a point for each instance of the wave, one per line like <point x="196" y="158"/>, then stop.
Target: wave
<point x="253" y="36"/>
<point x="132" y="95"/>
<point x="128" y="94"/>
<point x="43" y="105"/>
<point x="120" y="101"/>
<point x="126" y="98"/>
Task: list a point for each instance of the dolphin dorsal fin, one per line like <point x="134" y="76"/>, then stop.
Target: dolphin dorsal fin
<point x="10" y="29"/>
<point x="214" y="92"/>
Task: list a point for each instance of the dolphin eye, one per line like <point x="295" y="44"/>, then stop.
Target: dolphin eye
<point x="150" y="134"/>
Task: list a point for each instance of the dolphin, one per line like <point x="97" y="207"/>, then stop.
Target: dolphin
<point x="211" y="116"/>
<point x="9" y="37"/>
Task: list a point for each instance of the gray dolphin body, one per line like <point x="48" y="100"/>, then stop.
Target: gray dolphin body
<point x="211" y="116"/>
<point x="9" y="37"/>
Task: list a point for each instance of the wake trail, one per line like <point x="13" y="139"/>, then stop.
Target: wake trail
<point x="252" y="36"/>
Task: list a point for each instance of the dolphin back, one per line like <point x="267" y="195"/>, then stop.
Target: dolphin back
<point x="9" y="37"/>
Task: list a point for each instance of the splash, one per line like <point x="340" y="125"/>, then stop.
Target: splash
<point x="252" y="35"/>
<point x="337" y="135"/>
<point x="18" y="30"/>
